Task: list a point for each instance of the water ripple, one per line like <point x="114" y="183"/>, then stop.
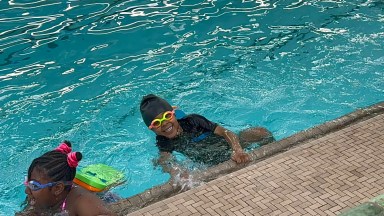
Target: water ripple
<point x="77" y="70"/>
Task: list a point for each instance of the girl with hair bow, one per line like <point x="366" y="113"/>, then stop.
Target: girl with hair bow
<point x="50" y="189"/>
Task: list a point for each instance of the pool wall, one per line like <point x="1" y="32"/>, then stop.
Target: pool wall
<point x="164" y="191"/>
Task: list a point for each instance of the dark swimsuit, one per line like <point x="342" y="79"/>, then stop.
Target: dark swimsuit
<point x="197" y="142"/>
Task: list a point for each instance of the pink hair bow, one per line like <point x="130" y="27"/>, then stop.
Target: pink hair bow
<point x="64" y="148"/>
<point x="71" y="156"/>
<point x="72" y="159"/>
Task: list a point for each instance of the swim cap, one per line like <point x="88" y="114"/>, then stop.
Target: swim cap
<point x="151" y="106"/>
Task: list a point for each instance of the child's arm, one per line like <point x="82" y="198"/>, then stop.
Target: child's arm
<point x="238" y="155"/>
<point x="166" y="161"/>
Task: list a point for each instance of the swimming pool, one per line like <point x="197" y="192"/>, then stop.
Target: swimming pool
<point x="77" y="70"/>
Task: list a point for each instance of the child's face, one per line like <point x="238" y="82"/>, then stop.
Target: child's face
<point x="42" y="198"/>
<point x="168" y="128"/>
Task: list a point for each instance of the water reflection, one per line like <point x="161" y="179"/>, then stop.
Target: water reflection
<point x="77" y="69"/>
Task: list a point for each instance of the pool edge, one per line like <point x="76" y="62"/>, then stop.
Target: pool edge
<point x="166" y="190"/>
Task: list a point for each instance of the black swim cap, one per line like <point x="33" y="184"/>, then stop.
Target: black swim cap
<point x="151" y="106"/>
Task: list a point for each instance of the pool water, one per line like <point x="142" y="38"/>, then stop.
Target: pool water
<point x="77" y="70"/>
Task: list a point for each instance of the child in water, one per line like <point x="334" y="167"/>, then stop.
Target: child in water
<point x="195" y="136"/>
<point x="50" y="189"/>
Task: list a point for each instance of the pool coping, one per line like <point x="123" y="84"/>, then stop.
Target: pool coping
<point x="166" y="190"/>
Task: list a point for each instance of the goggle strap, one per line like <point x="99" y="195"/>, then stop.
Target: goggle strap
<point x="50" y="184"/>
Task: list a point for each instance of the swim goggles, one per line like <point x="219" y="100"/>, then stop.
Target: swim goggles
<point x="166" y="117"/>
<point x="35" y="186"/>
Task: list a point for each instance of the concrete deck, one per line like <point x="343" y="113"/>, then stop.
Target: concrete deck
<point x="323" y="176"/>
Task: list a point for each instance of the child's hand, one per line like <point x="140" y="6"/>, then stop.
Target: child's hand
<point x="240" y="157"/>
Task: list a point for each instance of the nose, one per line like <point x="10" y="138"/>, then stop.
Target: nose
<point x="27" y="191"/>
<point x="165" y="124"/>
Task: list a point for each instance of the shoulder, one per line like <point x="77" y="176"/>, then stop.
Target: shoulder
<point x="194" y="115"/>
<point x="78" y="195"/>
<point x="83" y="201"/>
<point x="197" y="119"/>
<point x="193" y="118"/>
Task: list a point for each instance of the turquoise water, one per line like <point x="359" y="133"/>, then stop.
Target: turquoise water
<point x="77" y="70"/>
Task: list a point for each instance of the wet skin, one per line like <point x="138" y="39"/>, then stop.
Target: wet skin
<point x="48" y="201"/>
<point x="171" y="129"/>
<point x="48" y="198"/>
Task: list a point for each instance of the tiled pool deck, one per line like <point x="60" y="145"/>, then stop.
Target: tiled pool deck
<point x="321" y="176"/>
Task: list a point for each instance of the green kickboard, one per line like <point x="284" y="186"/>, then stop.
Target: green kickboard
<point x="375" y="207"/>
<point x="365" y="209"/>
<point x="379" y="200"/>
<point x="99" y="176"/>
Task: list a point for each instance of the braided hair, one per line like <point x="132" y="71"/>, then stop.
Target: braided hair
<point x="59" y="164"/>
